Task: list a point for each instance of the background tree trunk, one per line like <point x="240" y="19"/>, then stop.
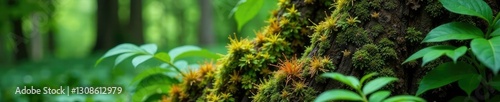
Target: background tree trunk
<point x="205" y="28"/>
<point x="136" y="33"/>
<point x="107" y="24"/>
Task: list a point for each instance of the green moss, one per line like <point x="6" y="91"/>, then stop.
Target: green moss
<point x="376" y="4"/>
<point x="373" y="57"/>
<point x="434" y="8"/>
<point x="361" y="9"/>
<point x="413" y="35"/>
<point x="385" y="42"/>
<point x="355" y="35"/>
<point x="390" y="4"/>
<point x="376" y="29"/>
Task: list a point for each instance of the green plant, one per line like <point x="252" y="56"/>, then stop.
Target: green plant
<point x="245" y="10"/>
<point x="157" y="80"/>
<point x="484" y="51"/>
<point x="363" y="90"/>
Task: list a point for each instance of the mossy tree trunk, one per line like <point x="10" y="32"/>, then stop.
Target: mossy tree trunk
<point x="353" y="37"/>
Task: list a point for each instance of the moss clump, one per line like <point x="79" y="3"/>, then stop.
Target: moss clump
<point x="373" y="57"/>
<point x="434" y="8"/>
<point x="361" y="9"/>
<point x="193" y="82"/>
<point x="390" y="4"/>
<point x="355" y="35"/>
<point x="413" y="35"/>
<point x="376" y="29"/>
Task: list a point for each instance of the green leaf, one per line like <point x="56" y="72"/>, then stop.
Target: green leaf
<point x="444" y="74"/>
<point x="198" y="53"/>
<point x="122" y="57"/>
<point x="338" y="94"/>
<point x="487" y="52"/>
<point x="368" y="76"/>
<point x="349" y="80"/>
<point x="426" y="50"/>
<point x="162" y="56"/>
<point x="149" y="48"/>
<point x="433" y="55"/>
<point x="148" y="72"/>
<point x="454" y="55"/>
<point x="460" y="99"/>
<point x="495" y="98"/>
<point x="496" y="32"/>
<point x="453" y="31"/>
<point x="477" y="8"/>
<point x="469" y="83"/>
<point x="495" y="82"/>
<point x="142" y="94"/>
<point x="404" y="98"/>
<point x="139" y="59"/>
<point x="179" y="50"/>
<point x="376" y="84"/>
<point x="122" y="48"/>
<point x="246" y="11"/>
<point x="379" y="96"/>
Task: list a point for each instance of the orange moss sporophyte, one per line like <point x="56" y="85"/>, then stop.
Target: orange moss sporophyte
<point x="192" y="77"/>
<point x="346" y="53"/>
<point x="292" y="68"/>
<point x="259" y="37"/>
<point x="176" y="92"/>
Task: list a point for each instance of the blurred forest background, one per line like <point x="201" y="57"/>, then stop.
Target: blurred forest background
<point x="56" y="42"/>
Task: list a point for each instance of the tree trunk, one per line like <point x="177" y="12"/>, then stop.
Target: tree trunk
<point x="357" y="37"/>
<point x="205" y="28"/>
<point x="136" y="24"/>
<point x="107" y="24"/>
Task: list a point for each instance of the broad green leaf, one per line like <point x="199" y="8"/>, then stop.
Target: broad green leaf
<point x="376" y="84"/>
<point x="149" y="48"/>
<point x="143" y="93"/>
<point x="338" y="94"/>
<point x="198" y="53"/>
<point x="433" y="55"/>
<point x="404" y="98"/>
<point x="162" y="56"/>
<point x="487" y="52"/>
<point x="379" y="96"/>
<point x="139" y="59"/>
<point x="122" y="57"/>
<point x="182" y="65"/>
<point x="496" y="32"/>
<point x="368" y="76"/>
<point x="495" y="98"/>
<point x="426" y="50"/>
<point x="246" y="11"/>
<point x="122" y="48"/>
<point x="149" y="72"/>
<point x="477" y="8"/>
<point x="460" y="99"/>
<point x="354" y="81"/>
<point x="469" y="83"/>
<point x="444" y="74"/>
<point x="495" y="82"/>
<point x="344" y="79"/>
<point x="453" y="31"/>
<point x="179" y="50"/>
<point x="454" y="55"/>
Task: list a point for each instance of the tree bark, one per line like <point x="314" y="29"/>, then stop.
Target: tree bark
<point x="107" y="24"/>
<point x="205" y="29"/>
<point x="136" y="33"/>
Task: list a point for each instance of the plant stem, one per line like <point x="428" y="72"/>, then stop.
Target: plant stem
<point x="175" y="67"/>
<point x="362" y="95"/>
<point x="490" y="27"/>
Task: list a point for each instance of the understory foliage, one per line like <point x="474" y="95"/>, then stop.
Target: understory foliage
<point x="474" y="66"/>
